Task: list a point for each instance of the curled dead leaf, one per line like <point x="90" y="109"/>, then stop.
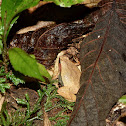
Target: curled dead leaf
<point x="40" y="24"/>
<point x="46" y="120"/>
<point x="91" y="3"/>
<point x="1" y="101"/>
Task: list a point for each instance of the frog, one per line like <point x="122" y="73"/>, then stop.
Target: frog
<point x="70" y="76"/>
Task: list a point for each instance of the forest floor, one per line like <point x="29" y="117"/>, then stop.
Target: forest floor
<point x="56" y="109"/>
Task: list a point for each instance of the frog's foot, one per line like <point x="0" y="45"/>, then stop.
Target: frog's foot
<point x="67" y="94"/>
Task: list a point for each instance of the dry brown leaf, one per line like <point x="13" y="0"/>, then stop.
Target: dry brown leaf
<point x="1" y="101"/>
<point x="46" y="120"/>
<point x="39" y="25"/>
<point x="0" y="2"/>
<point x="119" y="123"/>
<point x="91" y="3"/>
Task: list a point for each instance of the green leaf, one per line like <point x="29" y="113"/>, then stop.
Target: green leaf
<point x="24" y="63"/>
<point x="15" y="79"/>
<point x="2" y="71"/>
<point x="3" y="87"/>
<point x="11" y="24"/>
<point x="21" y="101"/>
<point x="1" y="33"/>
<point x="40" y="93"/>
<point x="10" y="8"/>
<point x="1" y="46"/>
<point x="27" y="97"/>
<point x="123" y="99"/>
<point x="43" y="71"/>
<point x="66" y="3"/>
<point x="2" y="80"/>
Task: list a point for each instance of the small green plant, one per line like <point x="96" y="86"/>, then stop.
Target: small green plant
<point x="10" y="77"/>
<point x="20" y="60"/>
<point x="51" y="93"/>
<point x="123" y="99"/>
<point x="4" y="85"/>
<point x="22" y="118"/>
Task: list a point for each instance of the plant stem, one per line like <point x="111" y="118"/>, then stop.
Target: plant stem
<point x="4" y="38"/>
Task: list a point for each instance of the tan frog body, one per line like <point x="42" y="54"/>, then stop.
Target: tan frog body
<point x="70" y="75"/>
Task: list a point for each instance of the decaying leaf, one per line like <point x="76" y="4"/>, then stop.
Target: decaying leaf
<point x="40" y="24"/>
<point x="91" y="3"/>
<point x="46" y="120"/>
<point x="1" y="101"/>
<point x="117" y="115"/>
<point x="103" y="62"/>
<point x="70" y="75"/>
<point x="120" y="124"/>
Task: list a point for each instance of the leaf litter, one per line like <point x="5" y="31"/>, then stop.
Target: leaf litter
<point x="64" y="57"/>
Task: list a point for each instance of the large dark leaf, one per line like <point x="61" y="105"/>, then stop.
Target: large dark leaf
<point x="103" y="60"/>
